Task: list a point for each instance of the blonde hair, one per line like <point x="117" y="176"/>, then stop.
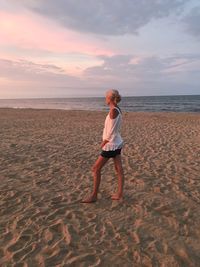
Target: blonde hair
<point x="114" y="94"/>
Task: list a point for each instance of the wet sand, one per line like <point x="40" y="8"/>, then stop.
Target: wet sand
<point x="45" y="171"/>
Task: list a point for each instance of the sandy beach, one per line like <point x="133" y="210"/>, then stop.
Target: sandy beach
<point x="45" y="171"/>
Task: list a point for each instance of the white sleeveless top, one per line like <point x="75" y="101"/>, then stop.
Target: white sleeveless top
<point x="111" y="132"/>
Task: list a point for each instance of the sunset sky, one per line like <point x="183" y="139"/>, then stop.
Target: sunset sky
<point x="83" y="47"/>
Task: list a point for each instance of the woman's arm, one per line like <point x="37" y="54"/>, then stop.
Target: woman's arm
<point x="104" y="142"/>
<point x="114" y="113"/>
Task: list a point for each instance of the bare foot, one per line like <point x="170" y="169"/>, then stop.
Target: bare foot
<point x="116" y="196"/>
<point x="90" y="199"/>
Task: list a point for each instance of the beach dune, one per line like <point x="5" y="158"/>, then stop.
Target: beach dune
<point x="45" y="170"/>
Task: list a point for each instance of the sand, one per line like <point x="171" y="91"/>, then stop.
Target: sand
<point x="45" y="171"/>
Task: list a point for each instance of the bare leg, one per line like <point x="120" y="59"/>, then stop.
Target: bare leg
<point x="96" y="169"/>
<point x="120" y="174"/>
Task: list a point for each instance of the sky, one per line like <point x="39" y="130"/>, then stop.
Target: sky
<point x="78" y="48"/>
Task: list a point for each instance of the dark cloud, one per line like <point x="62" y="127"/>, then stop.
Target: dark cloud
<point x="192" y="22"/>
<point x="105" y="16"/>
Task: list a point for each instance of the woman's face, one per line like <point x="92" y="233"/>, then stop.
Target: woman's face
<point x="108" y="99"/>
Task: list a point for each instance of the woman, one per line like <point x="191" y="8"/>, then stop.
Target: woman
<point x="111" y="147"/>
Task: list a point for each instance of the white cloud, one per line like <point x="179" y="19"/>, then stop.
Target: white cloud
<point x="23" y="78"/>
<point x="129" y="64"/>
<point x="134" y="75"/>
<point x="24" y="70"/>
<point x="154" y="71"/>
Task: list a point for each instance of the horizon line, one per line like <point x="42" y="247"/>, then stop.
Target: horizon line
<point x="61" y="97"/>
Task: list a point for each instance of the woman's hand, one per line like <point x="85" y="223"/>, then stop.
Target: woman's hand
<point x="103" y="143"/>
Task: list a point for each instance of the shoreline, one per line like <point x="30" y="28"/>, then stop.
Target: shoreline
<point x="103" y="111"/>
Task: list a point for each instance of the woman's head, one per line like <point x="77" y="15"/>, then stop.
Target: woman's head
<point x="113" y="96"/>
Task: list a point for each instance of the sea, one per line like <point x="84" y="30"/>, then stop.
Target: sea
<point x="174" y="103"/>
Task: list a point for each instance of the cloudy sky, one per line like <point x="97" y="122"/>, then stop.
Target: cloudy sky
<point x="83" y="47"/>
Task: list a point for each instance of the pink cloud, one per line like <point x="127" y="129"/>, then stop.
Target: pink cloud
<point x="31" y="31"/>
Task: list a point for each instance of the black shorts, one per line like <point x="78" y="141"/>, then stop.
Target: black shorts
<point x="110" y="153"/>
